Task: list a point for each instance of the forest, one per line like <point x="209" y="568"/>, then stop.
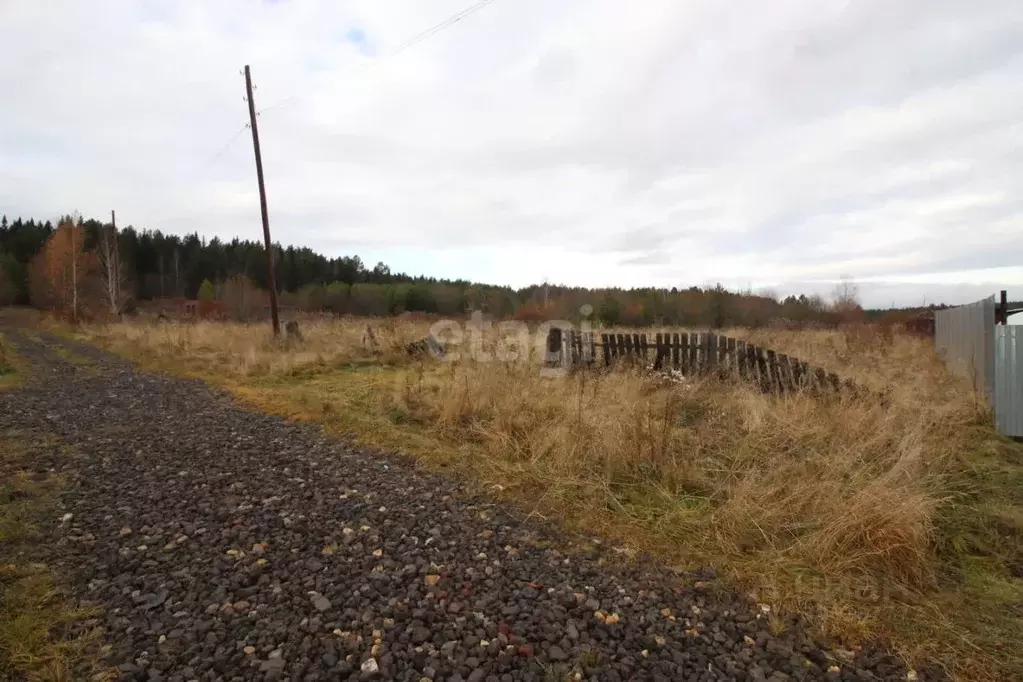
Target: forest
<point x="95" y="268"/>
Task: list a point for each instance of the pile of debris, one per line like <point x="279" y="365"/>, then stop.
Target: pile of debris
<point x="416" y="349"/>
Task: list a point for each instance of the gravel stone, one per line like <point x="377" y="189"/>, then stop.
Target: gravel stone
<point x="275" y="552"/>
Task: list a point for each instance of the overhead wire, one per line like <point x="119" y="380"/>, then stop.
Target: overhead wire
<point x="411" y="42"/>
<point x="414" y="40"/>
<point x="433" y="30"/>
<point x="203" y="167"/>
<point x="220" y="152"/>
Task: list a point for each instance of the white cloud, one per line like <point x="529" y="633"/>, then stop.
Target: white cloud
<point x="590" y="142"/>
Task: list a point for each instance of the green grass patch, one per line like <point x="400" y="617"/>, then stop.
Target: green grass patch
<point x="34" y="610"/>
<point x="8" y="364"/>
<point x="69" y="355"/>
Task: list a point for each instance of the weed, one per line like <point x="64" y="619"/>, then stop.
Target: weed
<point x="8" y="364"/>
<point x="33" y="609"/>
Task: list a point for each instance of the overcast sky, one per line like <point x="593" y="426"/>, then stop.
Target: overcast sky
<point x="771" y="144"/>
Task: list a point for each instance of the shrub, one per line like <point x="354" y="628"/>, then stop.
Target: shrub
<point x="206" y="291"/>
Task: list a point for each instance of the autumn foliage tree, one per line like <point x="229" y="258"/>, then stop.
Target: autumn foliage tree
<point x="62" y="270"/>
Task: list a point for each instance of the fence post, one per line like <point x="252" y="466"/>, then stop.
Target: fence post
<point x="765" y="376"/>
<point x="797" y="374"/>
<point x="694" y="363"/>
<point x="785" y="373"/>
<point x="710" y="345"/>
<point x="772" y="369"/>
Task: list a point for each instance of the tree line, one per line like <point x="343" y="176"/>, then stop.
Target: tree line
<point x="87" y="265"/>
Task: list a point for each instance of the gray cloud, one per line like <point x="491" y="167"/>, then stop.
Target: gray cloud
<point x="687" y="143"/>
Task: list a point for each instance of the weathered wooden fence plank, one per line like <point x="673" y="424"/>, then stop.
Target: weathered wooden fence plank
<point x="772" y="369"/>
<point x="765" y="376"/>
<point x="694" y="350"/>
<point x="710" y="352"/>
<point x="785" y="373"/>
<point x="798" y="375"/>
<point x="696" y="353"/>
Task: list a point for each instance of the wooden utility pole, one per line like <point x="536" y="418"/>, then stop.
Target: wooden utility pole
<point x="270" y="283"/>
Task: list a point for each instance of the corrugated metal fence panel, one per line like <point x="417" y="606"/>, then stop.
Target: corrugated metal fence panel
<point x="964" y="337"/>
<point x="1009" y="380"/>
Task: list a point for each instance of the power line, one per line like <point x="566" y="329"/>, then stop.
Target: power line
<point x="223" y="150"/>
<point x="453" y="19"/>
<point x="411" y="42"/>
<point x="200" y="169"/>
<point x="414" y="40"/>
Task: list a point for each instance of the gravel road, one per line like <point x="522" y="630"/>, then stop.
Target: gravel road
<point x="224" y="544"/>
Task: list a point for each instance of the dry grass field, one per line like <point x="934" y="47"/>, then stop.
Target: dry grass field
<point x="901" y="521"/>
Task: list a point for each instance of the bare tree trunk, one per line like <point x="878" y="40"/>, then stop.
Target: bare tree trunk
<point x="177" y="261"/>
<point x="74" y="277"/>
<point x="110" y="262"/>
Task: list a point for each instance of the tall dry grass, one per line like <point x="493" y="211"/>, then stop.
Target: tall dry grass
<point x="901" y="520"/>
<point x="242" y="351"/>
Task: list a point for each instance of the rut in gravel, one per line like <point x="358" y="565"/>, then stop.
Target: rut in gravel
<point x="223" y="544"/>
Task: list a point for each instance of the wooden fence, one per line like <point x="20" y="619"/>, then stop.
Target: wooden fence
<point x="692" y="354"/>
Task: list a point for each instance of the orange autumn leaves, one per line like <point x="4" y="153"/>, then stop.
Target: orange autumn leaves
<point x="63" y="274"/>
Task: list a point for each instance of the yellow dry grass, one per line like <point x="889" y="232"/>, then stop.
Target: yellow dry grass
<point x="901" y="521"/>
<point x="34" y="610"/>
<point x="8" y="364"/>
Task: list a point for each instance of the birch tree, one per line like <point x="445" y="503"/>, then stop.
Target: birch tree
<point x="111" y="270"/>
